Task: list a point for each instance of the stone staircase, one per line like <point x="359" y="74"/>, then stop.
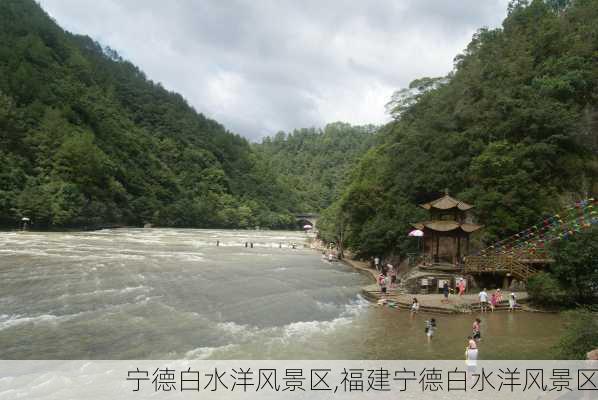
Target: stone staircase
<point x="502" y="306"/>
<point x="373" y="294"/>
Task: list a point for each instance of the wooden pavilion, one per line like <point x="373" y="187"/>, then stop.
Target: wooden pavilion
<point x="446" y="233"/>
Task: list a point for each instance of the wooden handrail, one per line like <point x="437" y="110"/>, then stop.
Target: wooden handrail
<point x="478" y="264"/>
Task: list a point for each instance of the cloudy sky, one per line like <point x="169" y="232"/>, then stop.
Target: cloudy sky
<point x="260" y="66"/>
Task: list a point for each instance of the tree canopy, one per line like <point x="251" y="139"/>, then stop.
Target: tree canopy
<point x="314" y="164"/>
<point x="513" y="129"/>
<point x="86" y="139"/>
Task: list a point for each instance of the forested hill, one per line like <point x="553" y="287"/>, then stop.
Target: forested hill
<point x="86" y="139"/>
<point x="314" y="164"/>
<point x="513" y="130"/>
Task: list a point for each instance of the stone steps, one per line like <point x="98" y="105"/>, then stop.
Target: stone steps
<point x="375" y="295"/>
<point x="502" y="306"/>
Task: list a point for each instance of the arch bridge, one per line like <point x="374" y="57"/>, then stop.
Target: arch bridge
<point x="307" y="218"/>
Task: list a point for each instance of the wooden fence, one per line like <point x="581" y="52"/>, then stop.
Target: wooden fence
<point x="502" y="264"/>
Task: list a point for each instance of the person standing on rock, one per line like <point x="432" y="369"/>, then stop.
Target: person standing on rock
<point x="483" y="300"/>
<point x="377" y="263"/>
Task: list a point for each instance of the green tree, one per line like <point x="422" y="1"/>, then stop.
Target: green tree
<point x="512" y="130"/>
<point x="576" y="265"/>
<point x="87" y="139"/>
<point x="580" y="335"/>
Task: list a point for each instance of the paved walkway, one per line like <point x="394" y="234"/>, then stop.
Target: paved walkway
<point x="428" y="302"/>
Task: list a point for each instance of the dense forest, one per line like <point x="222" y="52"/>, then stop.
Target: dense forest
<point x="314" y="164"/>
<point x="87" y="140"/>
<point x="513" y="129"/>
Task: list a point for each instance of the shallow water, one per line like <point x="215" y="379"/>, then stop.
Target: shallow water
<point x="171" y="293"/>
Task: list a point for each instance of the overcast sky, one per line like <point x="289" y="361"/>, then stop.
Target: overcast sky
<point x="260" y="66"/>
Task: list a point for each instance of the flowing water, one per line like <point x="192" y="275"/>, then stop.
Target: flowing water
<point x="172" y="293"/>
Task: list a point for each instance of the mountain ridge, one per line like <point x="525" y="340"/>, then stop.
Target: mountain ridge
<point x="87" y="139"/>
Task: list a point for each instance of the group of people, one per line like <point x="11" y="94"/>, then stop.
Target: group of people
<point x="473" y="340"/>
<point x="471" y="349"/>
<point x="387" y="278"/>
<point x="330" y="256"/>
<point x="495" y="299"/>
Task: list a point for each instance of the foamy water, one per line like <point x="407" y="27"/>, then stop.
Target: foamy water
<point x="172" y="293"/>
<point x="163" y="293"/>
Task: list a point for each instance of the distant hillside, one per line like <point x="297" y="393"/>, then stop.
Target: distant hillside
<point x="86" y="139"/>
<point x="314" y="164"/>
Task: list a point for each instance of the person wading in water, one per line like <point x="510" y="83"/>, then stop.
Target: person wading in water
<point x="414" y="306"/>
<point x="471" y="351"/>
<point x="430" y="328"/>
<point x="477" y="334"/>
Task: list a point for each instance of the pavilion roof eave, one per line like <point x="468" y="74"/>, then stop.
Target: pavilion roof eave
<point x="446" y="226"/>
<point x="446" y="202"/>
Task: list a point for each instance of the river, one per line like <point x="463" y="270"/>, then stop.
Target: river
<point x="172" y="293"/>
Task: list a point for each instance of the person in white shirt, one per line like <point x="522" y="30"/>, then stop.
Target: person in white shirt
<point x="471" y="352"/>
<point x="414" y="306"/>
<point x="392" y="272"/>
<point x="483" y="300"/>
<point x="430" y="328"/>
<point x="512" y="302"/>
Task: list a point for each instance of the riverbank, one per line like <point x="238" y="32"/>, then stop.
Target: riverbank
<point x="468" y="303"/>
<point x="71" y="229"/>
<point x="172" y="289"/>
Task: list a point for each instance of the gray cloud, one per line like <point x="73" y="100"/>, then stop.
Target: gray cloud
<point x="263" y="66"/>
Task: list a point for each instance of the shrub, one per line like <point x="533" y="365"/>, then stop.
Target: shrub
<point x="581" y="335"/>
<point x="576" y="265"/>
<point x="545" y="290"/>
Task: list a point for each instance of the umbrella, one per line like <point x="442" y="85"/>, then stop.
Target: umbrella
<point x="307" y="226"/>
<point x="24" y="219"/>
<point x="416" y="232"/>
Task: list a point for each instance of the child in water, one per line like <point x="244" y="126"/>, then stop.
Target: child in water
<point x="430" y="328"/>
<point x="414" y="306"/>
<point x="477" y="334"/>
